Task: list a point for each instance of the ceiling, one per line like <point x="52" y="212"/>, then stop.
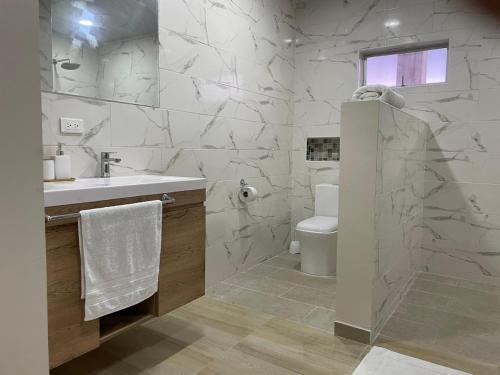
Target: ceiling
<point x="112" y="20"/>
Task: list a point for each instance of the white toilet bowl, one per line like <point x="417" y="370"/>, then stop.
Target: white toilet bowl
<point x="318" y="234"/>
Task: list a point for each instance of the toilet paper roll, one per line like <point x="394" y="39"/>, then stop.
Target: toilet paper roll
<point x="248" y="194"/>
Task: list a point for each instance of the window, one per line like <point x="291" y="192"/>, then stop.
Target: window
<point x="406" y="65"/>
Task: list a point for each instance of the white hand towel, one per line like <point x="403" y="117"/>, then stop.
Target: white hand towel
<point x="120" y="256"/>
<point x="379" y="92"/>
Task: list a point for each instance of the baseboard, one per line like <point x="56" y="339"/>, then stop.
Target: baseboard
<point x="352" y="333"/>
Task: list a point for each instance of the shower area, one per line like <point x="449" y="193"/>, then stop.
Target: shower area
<point x="434" y="292"/>
<point x="395" y="288"/>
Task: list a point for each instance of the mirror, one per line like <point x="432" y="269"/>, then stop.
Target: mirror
<point x="106" y="49"/>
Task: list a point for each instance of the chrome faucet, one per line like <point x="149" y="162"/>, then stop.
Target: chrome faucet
<point x="105" y="163"/>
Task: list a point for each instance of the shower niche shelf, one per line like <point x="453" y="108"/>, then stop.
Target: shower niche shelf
<point x="323" y="149"/>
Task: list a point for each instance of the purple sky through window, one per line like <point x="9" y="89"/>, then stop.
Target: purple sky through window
<point x="383" y="69"/>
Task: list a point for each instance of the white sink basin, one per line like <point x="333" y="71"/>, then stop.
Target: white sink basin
<point x="97" y="189"/>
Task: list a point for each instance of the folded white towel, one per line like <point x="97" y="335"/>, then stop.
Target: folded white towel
<point x="120" y="252"/>
<point x="379" y="92"/>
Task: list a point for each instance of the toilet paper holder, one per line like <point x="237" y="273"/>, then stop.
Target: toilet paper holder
<point x="247" y="193"/>
<point x="243" y="185"/>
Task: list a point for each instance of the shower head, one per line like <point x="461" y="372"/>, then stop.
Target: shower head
<point x="70" y="66"/>
<point x="66" y="64"/>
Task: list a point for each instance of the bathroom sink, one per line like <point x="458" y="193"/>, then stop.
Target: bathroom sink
<point x="96" y="189"/>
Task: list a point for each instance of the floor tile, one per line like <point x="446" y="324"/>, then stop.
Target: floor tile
<point x="449" y="317"/>
<point x="262" y="269"/>
<point x="220" y="289"/>
<point x="238" y="362"/>
<point x="321" y="318"/>
<point x="418" y="297"/>
<point x="408" y="331"/>
<point x="286" y="344"/>
<point x="285" y="260"/>
<point x="300" y="278"/>
<point x="312" y="296"/>
<point x="268" y="304"/>
<point x="495" y="289"/>
<point x="437" y="278"/>
<point x="259" y="283"/>
<point x="98" y="362"/>
<point x="235" y="320"/>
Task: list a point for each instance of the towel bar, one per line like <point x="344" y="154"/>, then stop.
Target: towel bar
<point x="165" y="199"/>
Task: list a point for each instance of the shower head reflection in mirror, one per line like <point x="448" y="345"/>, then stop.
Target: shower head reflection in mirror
<point x="66" y="64"/>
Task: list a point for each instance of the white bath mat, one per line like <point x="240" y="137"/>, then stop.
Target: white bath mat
<point x="380" y="361"/>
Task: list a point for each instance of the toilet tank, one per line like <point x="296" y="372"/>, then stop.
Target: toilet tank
<point x="326" y="200"/>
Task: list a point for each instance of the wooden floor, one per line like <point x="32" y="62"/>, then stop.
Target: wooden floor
<point x="212" y="337"/>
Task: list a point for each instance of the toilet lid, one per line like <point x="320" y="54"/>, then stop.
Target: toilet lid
<point x="319" y="224"/>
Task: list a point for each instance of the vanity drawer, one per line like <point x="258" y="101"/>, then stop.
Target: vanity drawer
<point x="182" y="262"/>
<point x="69" y="335"/>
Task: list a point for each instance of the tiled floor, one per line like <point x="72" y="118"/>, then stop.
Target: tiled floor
<point x="209" y="337"/>
<point x="277" y="287"/>
<point x="273" y="319"/>
<point x="448" y="317"/>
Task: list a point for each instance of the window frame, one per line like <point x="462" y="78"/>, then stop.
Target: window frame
<point x="364" y="54"/>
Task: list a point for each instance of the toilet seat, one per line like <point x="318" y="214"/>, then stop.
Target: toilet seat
<point x="319" y="224"/>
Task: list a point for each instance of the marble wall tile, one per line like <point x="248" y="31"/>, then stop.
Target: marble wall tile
<point x="312" y="112"/>
<point x="185" y="55"/>
<point x="96" y="115"/>
<point x="464" y="166"/>
<point x="184" y="17"/>
<point x="82" y="81"/>
<point x="399" y="206"/>
<point x="462" y="197"/>
<point x="138" y="126"/>
<point x="128" y="70"/>
<point x="488" y="105"/>
<point x="182" y="54"/>
<point x="191" y="94"/>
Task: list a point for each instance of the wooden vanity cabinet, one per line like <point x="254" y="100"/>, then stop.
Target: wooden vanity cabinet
<point x="181" y="277"/>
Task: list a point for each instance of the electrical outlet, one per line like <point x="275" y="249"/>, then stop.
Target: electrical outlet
<point x="71" y="125"/>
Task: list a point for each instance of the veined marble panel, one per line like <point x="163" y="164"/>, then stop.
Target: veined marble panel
<point x="326" y="74"/>
<point x="182" y="54"/>
<point x="128" y="70"/>
<point x="136" y="126"/>
<point x="399" y="206"/>
<point x="191" y="94"/>
<point x="96" y="115"/>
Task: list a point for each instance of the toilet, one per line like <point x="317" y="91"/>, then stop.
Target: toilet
<point x="318" y="234"/>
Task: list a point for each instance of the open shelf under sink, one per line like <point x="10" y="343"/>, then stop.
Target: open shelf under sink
<point x="113" y="324"/>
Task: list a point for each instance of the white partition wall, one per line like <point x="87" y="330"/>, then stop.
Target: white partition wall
<point x="381" y="204"/>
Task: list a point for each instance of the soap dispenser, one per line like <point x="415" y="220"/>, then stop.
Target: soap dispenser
<point x="62" y="164"/>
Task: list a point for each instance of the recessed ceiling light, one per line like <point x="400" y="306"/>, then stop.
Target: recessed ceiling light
<point x="392" y="23"/>
<point x="86" y="23"/>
